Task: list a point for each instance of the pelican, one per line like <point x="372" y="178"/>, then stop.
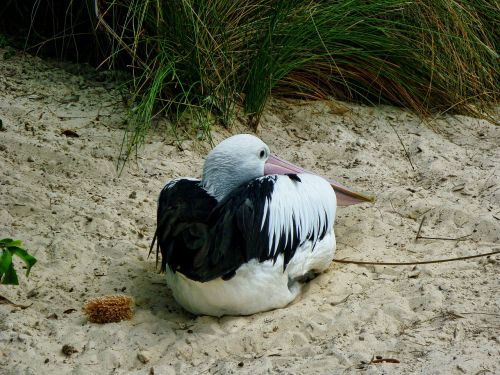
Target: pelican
<point x="245" y="237"/>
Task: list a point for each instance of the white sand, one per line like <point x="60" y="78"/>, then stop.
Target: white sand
<point x="63" y="197"/>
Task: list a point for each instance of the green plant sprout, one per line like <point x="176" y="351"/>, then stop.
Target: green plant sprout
<point x="9" y="248"/>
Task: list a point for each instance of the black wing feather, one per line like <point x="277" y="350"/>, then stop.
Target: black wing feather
<point x="183" y="210"/>
<point x="235" y="234"/>
<point x="205" y="240"/>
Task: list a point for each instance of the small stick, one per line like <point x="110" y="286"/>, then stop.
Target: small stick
<point x="479" y="313"/>
<point x="418" y="236"/>
<point x="4" y="300"/>
<point x="384" y="360"/>
<point x="419" y="228"/>
<point x="414" y="263"/>
<point x="462" y="238"/>
<point x="402" y="144"/>
<point x="341" y="301"/>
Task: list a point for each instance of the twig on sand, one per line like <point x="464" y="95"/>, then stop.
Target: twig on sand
<point x="419" y="228"/>
<point x="443" y="315"/>
<point x="479" y="313"/>
<point x="461" y="238"/>
<point x="418" y="236"/>
<point x="417" y="262"/>
<point x="6" y="301"/>
<point x="402" y="144"/>
<point x="379" y="359"/>
<point x="341" y="301"/>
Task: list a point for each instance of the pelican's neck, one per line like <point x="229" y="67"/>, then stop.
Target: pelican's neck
<point x="219" y="183"/>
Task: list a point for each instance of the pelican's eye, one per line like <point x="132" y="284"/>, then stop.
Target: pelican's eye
<point x="262" y="154"/>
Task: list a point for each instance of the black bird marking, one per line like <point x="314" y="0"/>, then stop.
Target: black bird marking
<point x="205" y="240"/>
<point x="294" y="177"/>
<point x="182" y="215"/>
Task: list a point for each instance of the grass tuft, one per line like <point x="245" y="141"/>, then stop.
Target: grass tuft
<point x="212" y="56"/>
<point x="202" y="59"/>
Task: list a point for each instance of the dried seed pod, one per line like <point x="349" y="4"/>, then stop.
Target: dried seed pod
<point x="109" y="309"/>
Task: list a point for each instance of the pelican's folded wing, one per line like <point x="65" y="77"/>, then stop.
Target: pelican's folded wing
<point x="269" y="216"/>
<point x="183" y="211"/>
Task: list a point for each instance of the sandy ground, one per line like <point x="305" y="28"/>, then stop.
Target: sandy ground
<point x="90" y="230"/>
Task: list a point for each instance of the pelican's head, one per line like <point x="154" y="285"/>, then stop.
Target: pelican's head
<point x="233" y="162"/>
<point x="243" y="157"/>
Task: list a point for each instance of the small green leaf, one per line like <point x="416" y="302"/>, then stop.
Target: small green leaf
<point x="5" y="261"/>
<point x="9" y="248"/>
<point x="10" y="276"/>
<point x="26" y="258"/>
<point x="14" y="243"/>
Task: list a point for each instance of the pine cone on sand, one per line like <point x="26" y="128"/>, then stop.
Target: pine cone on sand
<point x="109" y="309"/>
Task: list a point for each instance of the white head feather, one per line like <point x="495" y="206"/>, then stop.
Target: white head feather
<point x="233" y="162"/>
